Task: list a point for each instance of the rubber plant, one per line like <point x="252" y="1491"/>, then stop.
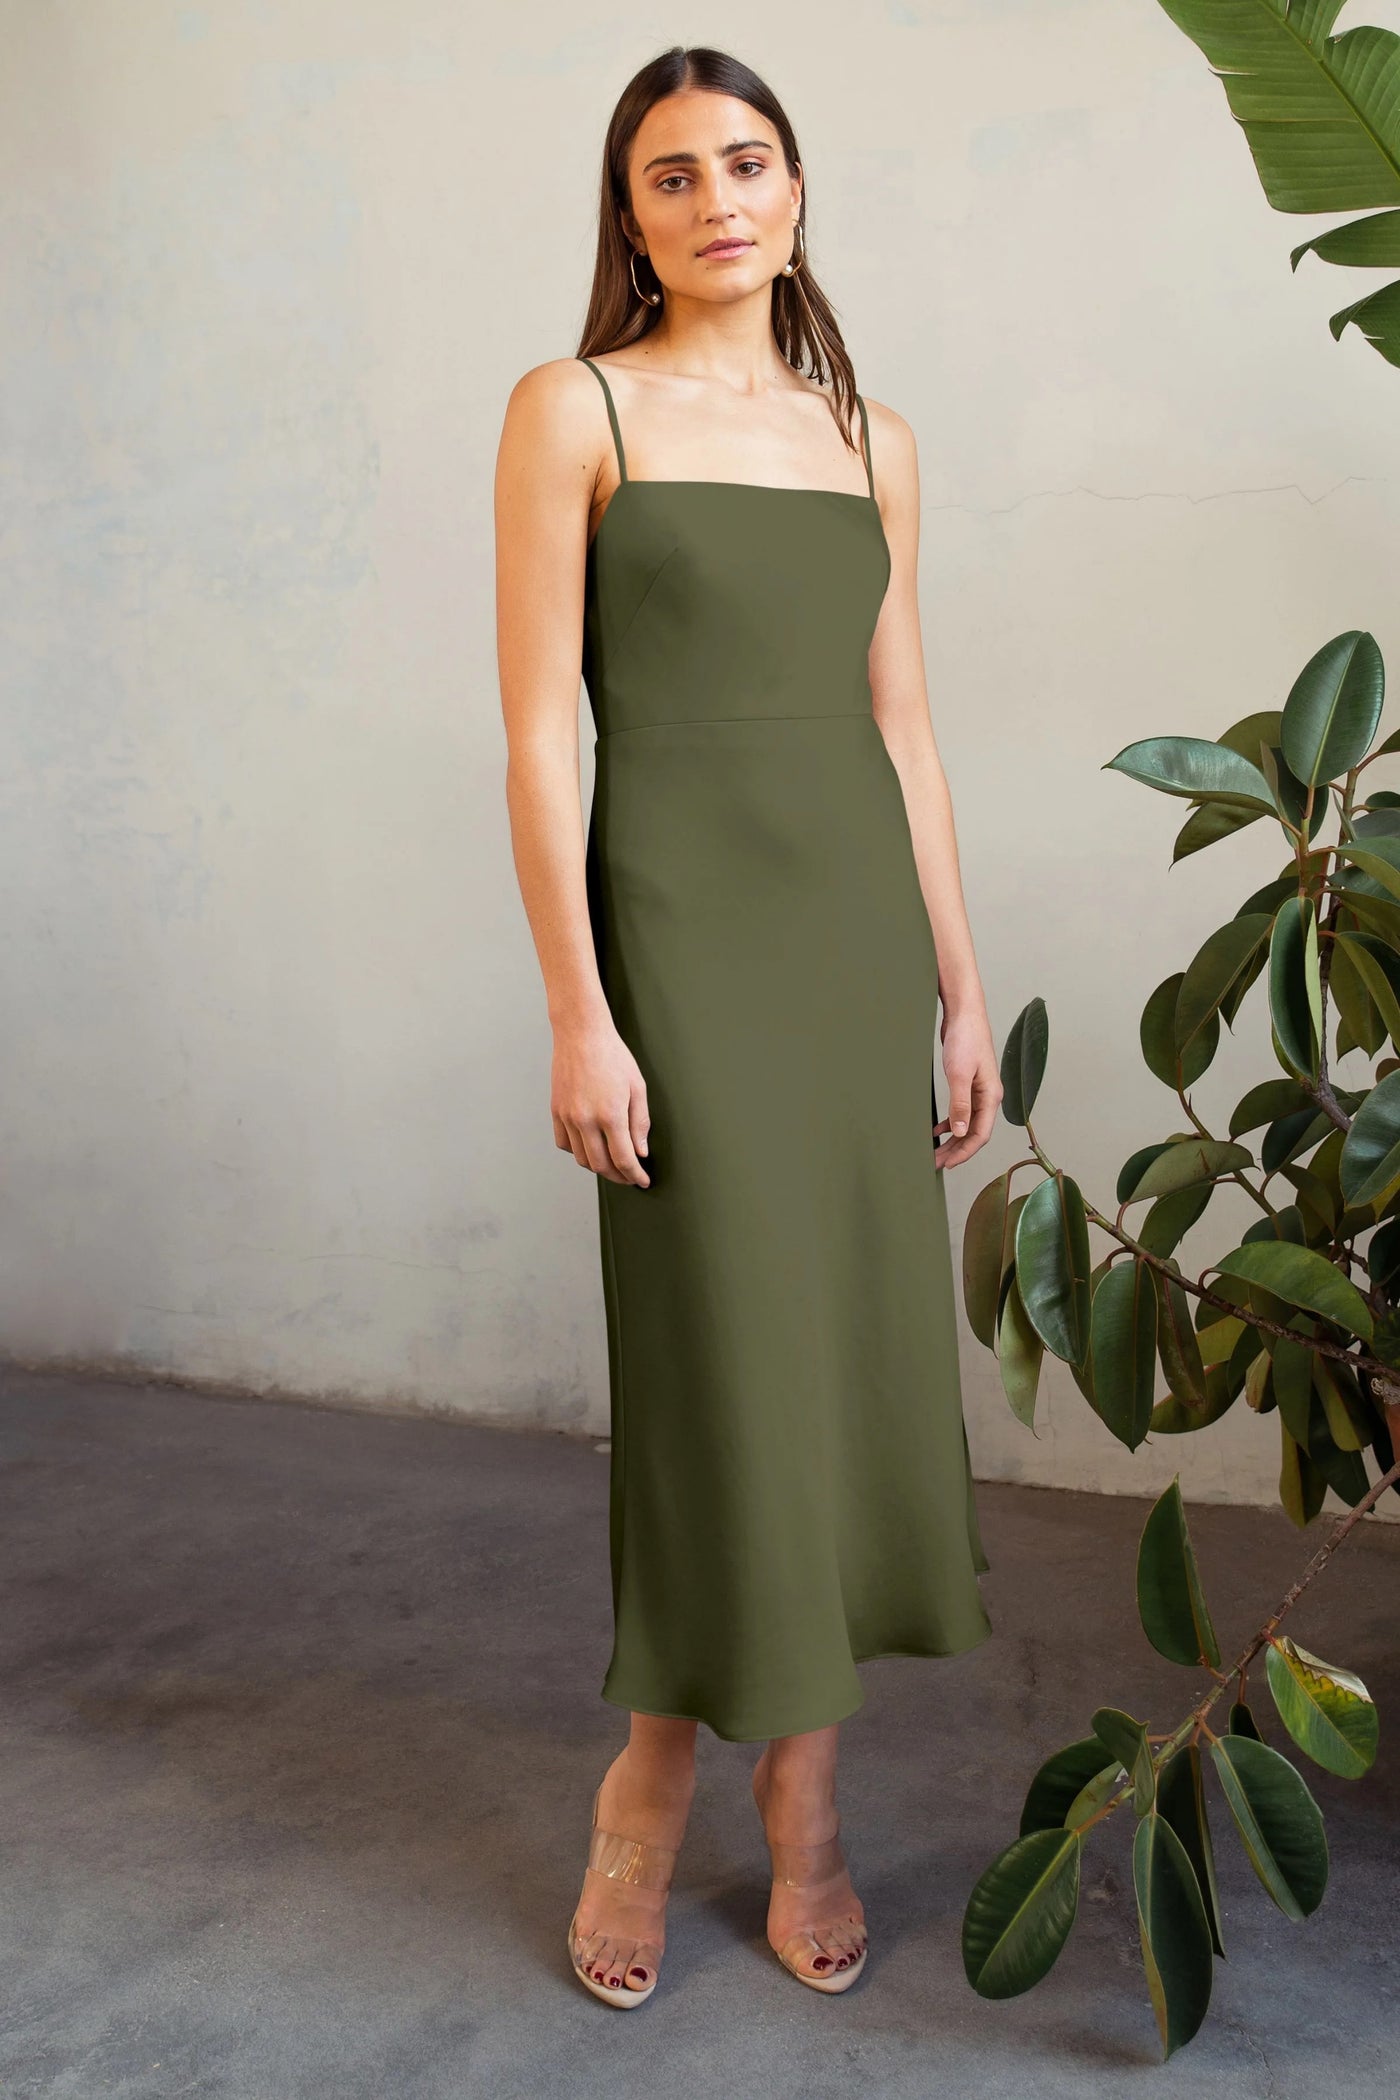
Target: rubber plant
<point x="1299" y="1320"/>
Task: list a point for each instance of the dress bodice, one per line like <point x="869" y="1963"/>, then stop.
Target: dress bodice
<point x="710" y="600"/>
<point x="723" y="601"/>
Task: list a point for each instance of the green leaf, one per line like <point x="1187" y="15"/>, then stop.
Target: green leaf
<point x="1328" y="1712"/>
<point x="1023" y="1061"/>
<point x="1206" y="827"/>
<point x="1059" y="1781"/>
<point x="1267" y="1102"/>
<point x="1302" y="1489"/>
<point x="1278" y="1820"/>
<point x="1293" y="1385"/>
<point x="1295" y="988"/>
<point x="1317" y="112"/>
<point x="1263" y="726"/>
<point x="1343" y="1470"/>
<point x="1178" y="1344"/>
<point x="1259" y="1384"/>
<point x="1219" y="1334"/>
<point x="1380" y="914"/>
<point x="1171" y="1417"/>
<point x="1171" y="1604"/>
<point x="1377" y="857"/>
<point x="1242" y="1721"/>
<point x="1196" y="769"/>
<point x="1370" y="243"/>
<point x="1157" y="1035"/>
<point x="1376" y="314"/>
<point x="1181" y="1799"/>
<point x="1093" y="1795"/>
<point x="1183" y="1162"/>
<point x="1361" y="1024"/>
<point x="988" y="1237"/>
<point x="1370" y="1162"/>
<point x="1175" y="1933"/>
<point x="1348" y="1423"/>
<point x="1332" y="713"/>
<point x="1220" y="967"/>
<point x="1379" y="970"/>
<point x="1171" y="1218"/>
<point x="1300" y="1276"/>
<point x="1019" y="1914"/>
<point x="1053" y="1264"/>
<point x="1126" y="1739"/>
<point x="1124" y="1350"/>
<point x="1020" y="1352"/>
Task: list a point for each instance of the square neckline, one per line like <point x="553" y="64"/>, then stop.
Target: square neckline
<point x="767" y="488"/>
<point x="776" y="488"/>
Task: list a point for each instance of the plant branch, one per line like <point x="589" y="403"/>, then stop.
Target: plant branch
<point x="1196" y="1718"/>
<point x="1202" y="1291"/>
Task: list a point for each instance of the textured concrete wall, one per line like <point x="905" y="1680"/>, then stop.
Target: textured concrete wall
<point x="275" y="1072"/>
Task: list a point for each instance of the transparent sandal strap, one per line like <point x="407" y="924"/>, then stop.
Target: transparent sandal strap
<point x="798" y="1866"/>
<point x="636" y="1860"/>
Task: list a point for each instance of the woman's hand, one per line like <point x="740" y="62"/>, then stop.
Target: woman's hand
<point x="974" y="1085"/>
<point x="598" y="1099"/>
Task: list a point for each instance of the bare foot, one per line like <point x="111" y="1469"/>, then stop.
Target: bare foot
<point x="620" y="1931"/>
<point x="828" y="1912"/>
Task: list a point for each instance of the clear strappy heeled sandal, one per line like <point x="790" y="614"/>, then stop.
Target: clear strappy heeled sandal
<point x="646" y="1866"/>
<point x="840" y="1941"/>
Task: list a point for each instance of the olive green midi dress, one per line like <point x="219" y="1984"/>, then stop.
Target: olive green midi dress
<point x="790" y="1492"/>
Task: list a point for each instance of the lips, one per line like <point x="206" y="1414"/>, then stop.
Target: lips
<point x="726" y="247"/>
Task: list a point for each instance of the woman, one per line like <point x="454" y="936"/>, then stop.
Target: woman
<point x="743" y="961"/>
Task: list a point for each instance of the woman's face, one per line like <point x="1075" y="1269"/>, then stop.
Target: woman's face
<point x="707" y="169"/>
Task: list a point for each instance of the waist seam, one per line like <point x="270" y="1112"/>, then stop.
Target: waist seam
<point x="842" y="714"/>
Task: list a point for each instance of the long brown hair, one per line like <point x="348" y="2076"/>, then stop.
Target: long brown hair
<point x="804" y="324"/>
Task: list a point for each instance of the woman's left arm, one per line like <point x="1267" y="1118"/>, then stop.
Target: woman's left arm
<point x="900" y="694"/>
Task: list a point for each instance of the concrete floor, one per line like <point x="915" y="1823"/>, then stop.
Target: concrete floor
<point x="300" y="1724"/>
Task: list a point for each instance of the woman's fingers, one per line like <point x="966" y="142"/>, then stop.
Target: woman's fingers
<point x="985" y="1091"/>
<point x="598" y="1103"/>
<point x="607" y="1149"/>
<point x="612" y="1145"/>
<point x="622" y="1146"/>
<point x="614" y="1148"/>
<point x="595" y="1151"/>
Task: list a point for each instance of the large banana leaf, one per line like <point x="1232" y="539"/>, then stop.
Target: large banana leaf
<point x="1321" y="115"/>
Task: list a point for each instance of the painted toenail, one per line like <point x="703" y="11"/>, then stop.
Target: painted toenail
<point x="639" y="1972"/>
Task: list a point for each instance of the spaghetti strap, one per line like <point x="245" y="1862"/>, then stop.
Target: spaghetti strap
<point x="865" y="431"/>
<point x="612" y="416"/>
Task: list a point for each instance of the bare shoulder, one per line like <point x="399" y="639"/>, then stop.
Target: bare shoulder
<point x="892" y="443"/>
<point x="555" y="436"/>
<point x="555" y="397"/>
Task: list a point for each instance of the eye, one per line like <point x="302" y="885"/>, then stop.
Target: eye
<point x="669" y="179"/>
<point x="760" y="165"/>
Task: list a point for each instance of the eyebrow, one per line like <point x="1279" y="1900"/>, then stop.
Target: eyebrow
<point x="734" y="146"/>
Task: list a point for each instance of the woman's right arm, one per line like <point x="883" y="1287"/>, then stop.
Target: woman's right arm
<point x="547" y="470"/>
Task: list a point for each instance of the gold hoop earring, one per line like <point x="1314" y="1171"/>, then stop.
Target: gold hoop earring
<point x="651" y="298"/>
<point x="795" y="262"/>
